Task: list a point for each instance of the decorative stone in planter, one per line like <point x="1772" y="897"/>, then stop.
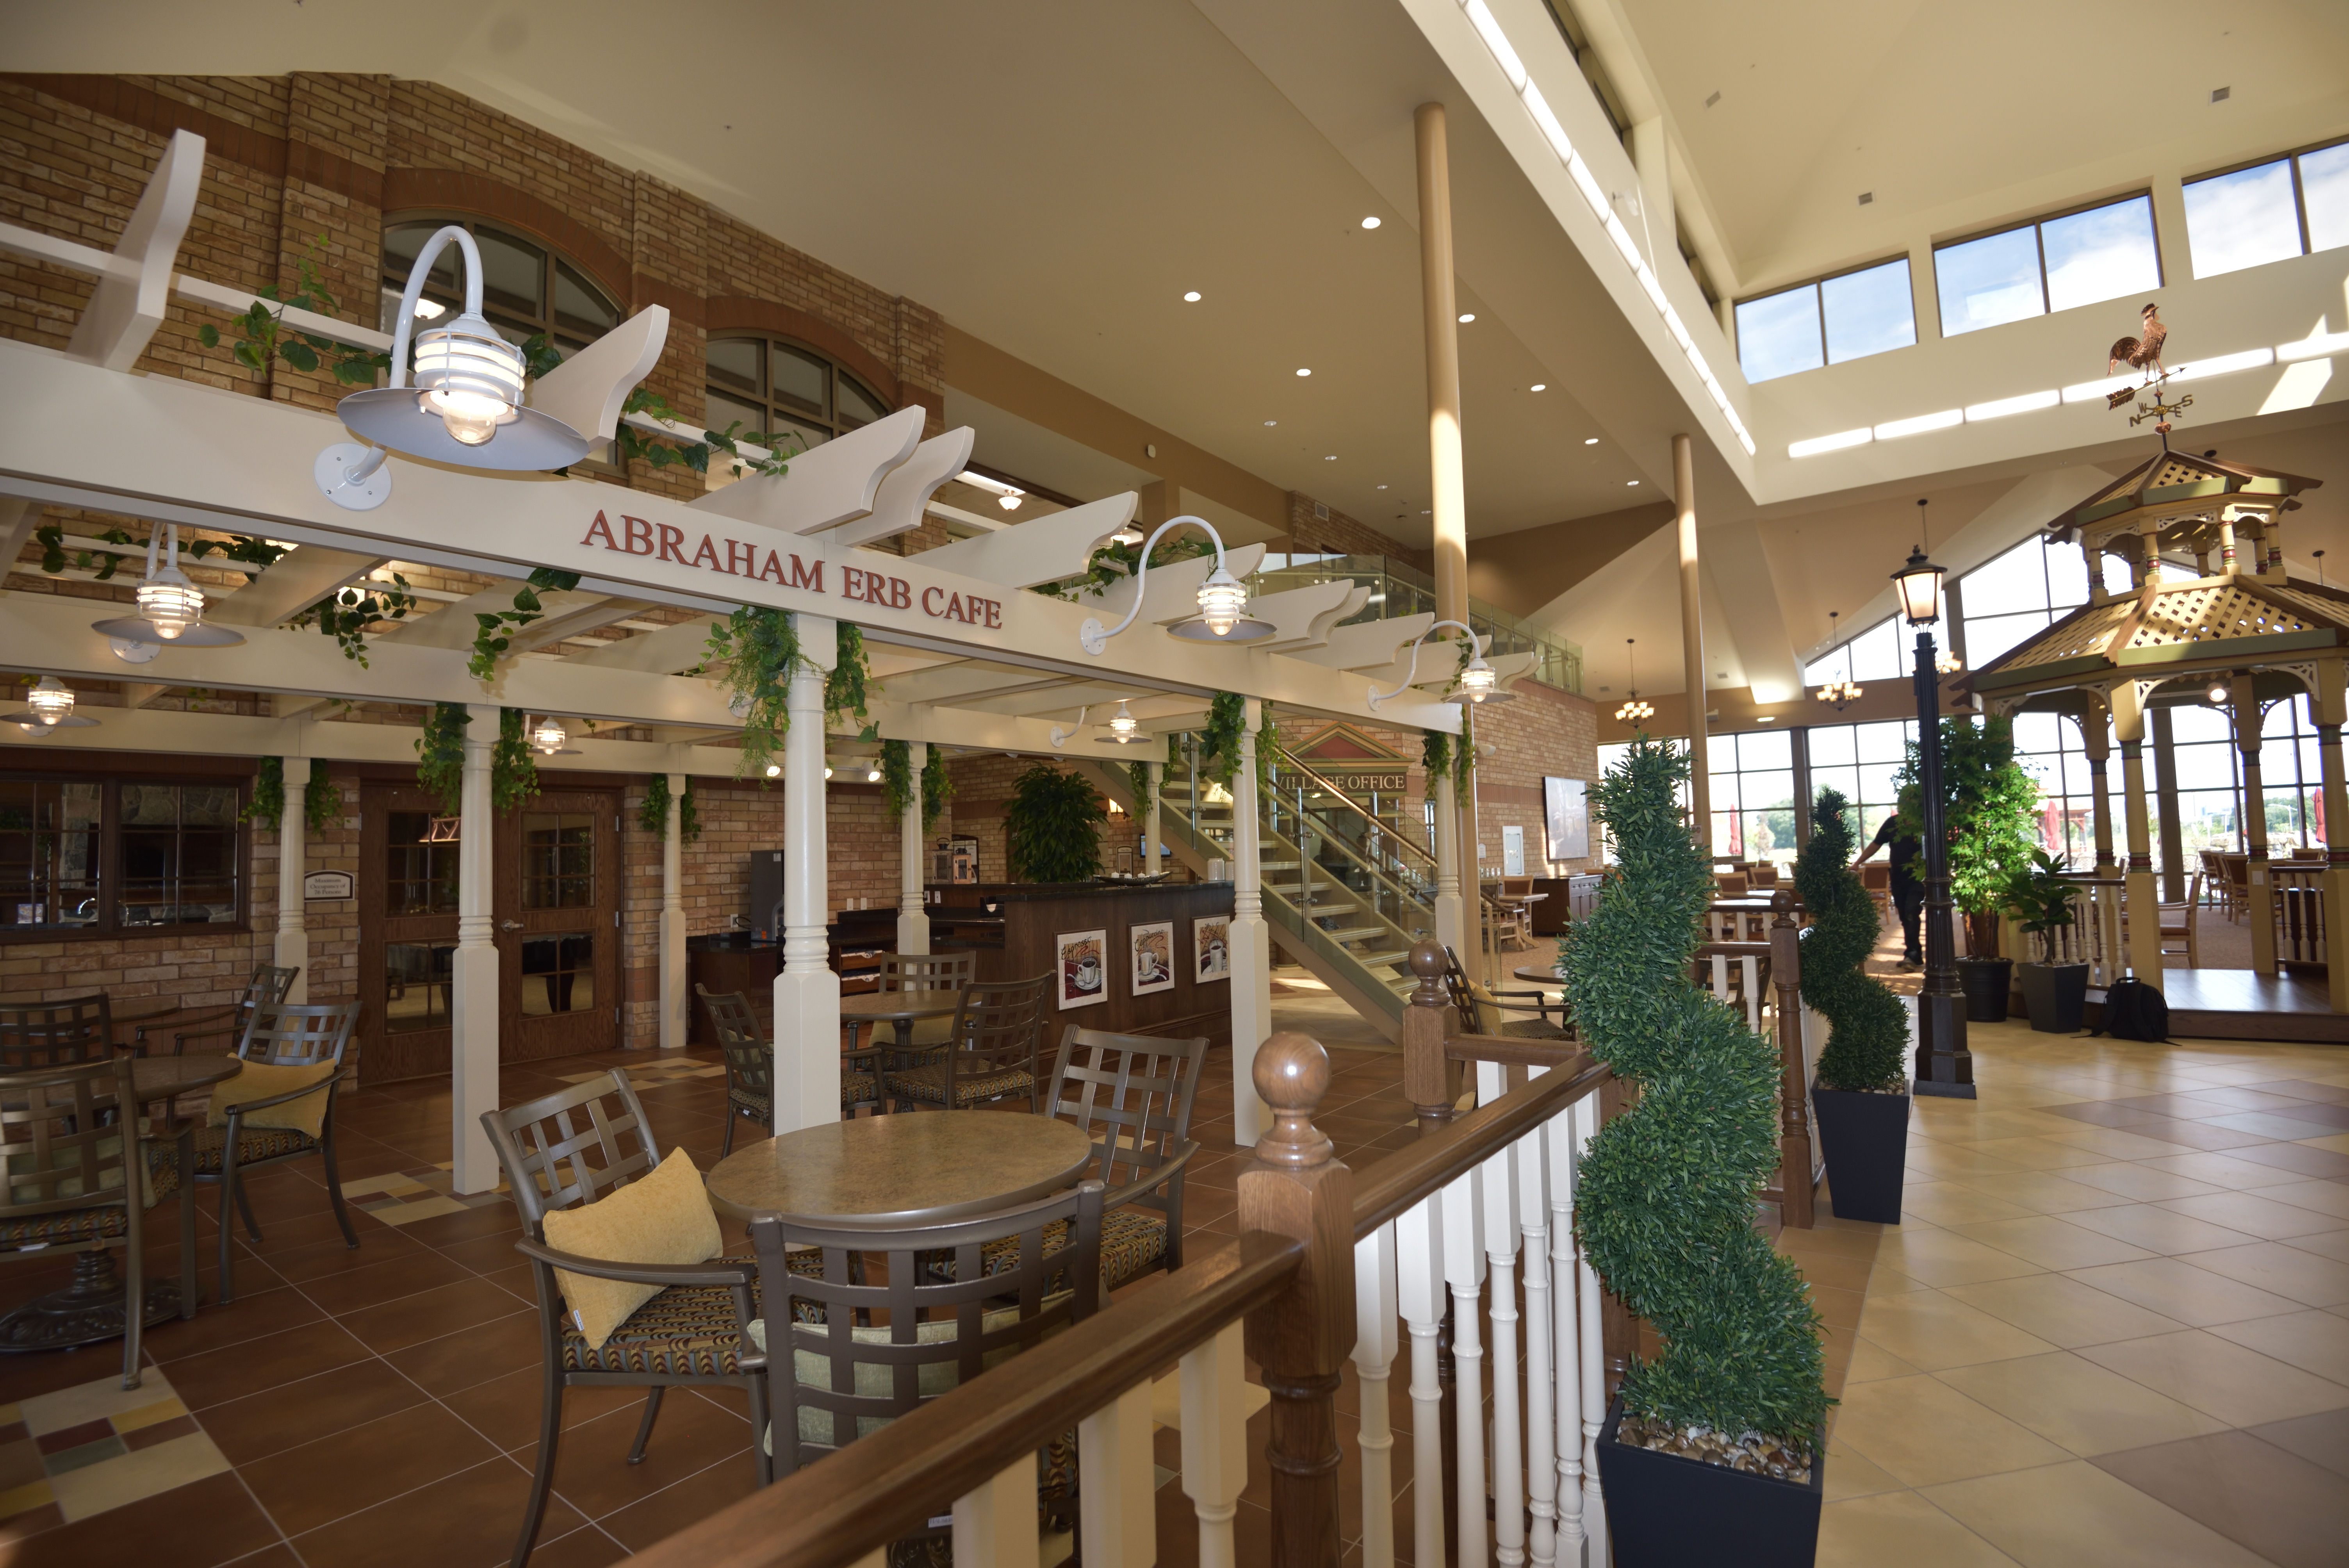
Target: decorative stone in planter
<point x="2055" y="994"/>
<point x="1865" y="1138"/>
<point x="1667" y="1512"/>
<point x="1987" y="982"/>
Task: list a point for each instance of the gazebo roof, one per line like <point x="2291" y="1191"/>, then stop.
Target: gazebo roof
<point x="2173" y="484"/>
<point x="2171" y="628"/>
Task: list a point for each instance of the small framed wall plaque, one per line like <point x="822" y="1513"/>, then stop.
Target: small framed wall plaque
<point x="323" y="886"/>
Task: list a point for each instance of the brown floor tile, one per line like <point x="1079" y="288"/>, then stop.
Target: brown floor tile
<point x="470" y="1517"/>
<point x="216" y="1376"/>
<point x="505" y="1409"/>
<point x="2298" y="1157"/>
<point x="484" y="1254"/>
<point x="2322" y="1439"/>
<point x="430" y="1315"/>
<point x="295" y="1413"/>
<point x="472" y="1355"/>
<point x="208" y="1522"/>
<point x="489" y="1220"/>
<point x="588" y="1548"/>
<point x="321" y="1481"/>
<point x="694" y="1499"/>
<point x="322" y="1259"/>
<point x="592" y="1472"/>
<point x="2291" y="1512"/>
<point x="350" y="1291"/>
<point x="308" y="1229"/>
<point x="249" y="1316"/>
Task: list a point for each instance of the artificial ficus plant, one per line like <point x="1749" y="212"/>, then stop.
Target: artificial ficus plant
<point x="761" y="647"/>
<point x="262" y="338"/>
<point x="1869" y="1046"/>
<point x="1665" y="1199"/>
<point x="2040" y="899"/>
<point x="1989" y="807"/>
<point x="1052" y="827"/>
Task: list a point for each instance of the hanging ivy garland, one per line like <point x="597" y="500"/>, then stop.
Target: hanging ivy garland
<point x="1440" y="755"/>
<point x="1137" y="778"/>
<point x="897" y="780"/>
<point x="268" y="804"/>
<point x="761" y="648"/>
<point x="495" y="630"/>
<point x="513" y="775"/>
<point x="440" y="755"/>
<point x="1220" y="743"/>
<point x="689" y="814"/>
<point x="653" y="815"/>
<point x="322" y="800"/>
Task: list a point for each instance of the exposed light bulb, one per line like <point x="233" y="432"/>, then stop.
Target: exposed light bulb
<point x="549" y="736"/>
<point x="827" y="769"/>
<point x="1370" y="222"/>
<point x="2218" y="694"/>
<point x="50" y="701"/>
<point x="1467" y="316"/>
<point x="1191" y="298"/>
<point x="1009" y="503"/>
<point x="1123" y="722"/>
<point x="470" y="376"/>
<point x="1222" y="601"/>
<point x="775" y="771"/>
<point x="170" y="603"/>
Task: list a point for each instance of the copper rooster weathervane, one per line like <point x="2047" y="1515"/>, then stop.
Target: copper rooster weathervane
<point x="2145" y="354"/>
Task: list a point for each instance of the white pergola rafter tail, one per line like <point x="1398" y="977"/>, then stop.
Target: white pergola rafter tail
<point x="1042" y="550"/>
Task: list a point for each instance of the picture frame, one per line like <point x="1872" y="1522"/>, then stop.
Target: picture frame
<point x="1211" y="948"/>
<point x="1080" y="968"/>
<point x="1150" y="951"/>
<point x="1566" y="818"/>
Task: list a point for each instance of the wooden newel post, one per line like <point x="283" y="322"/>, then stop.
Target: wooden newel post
<point x="1428" y="1020"/>
<point x="1297" y="1187"/>
<point x="1795" y="1164"/>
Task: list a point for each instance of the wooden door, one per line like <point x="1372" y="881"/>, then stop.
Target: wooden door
<point x="557" y="901"/>
<point x="408" y="933"/>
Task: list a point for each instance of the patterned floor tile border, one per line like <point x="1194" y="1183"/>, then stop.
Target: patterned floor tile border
<point x="423" y="1192"/>
<point x="98" y="1446"/>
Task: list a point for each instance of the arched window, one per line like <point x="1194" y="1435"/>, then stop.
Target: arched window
<point x="772" y="384"/>
<point x="526" y="289"/>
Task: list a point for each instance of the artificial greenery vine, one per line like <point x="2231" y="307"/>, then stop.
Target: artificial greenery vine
<point x="496" y="628"/>
<point x="689" y="814"/>
<point x="1664" y="1204"/>
<point x="1220" y="743"/>
<point x="1114" y="562"/>
<point x="897" y="780"/>
<point x="539" y="355"/>
<point x="347" y="614"/>
<point x="1440" y="755"/>
<point x="844" y="685"/>
<point x="513" y="773"/>
<point x="761" y="648"/>
<point x="1137" y="778"/>
<point x="267" y="806"/>
<point x="440" y="755"/>
<point x="322" y="800"/>
<point x="257" y="554"/>
<point x="1052" y="827"/>
<point x="262" y="338"/>
<point x="653" y="815"/>
<point x="1867" y="1045"/>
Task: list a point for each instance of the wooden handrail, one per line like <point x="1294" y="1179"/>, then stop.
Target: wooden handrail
<point x="1440" y="1156"/>
<point x="877" y="1489"/>
<point x="1511" y="1051"/>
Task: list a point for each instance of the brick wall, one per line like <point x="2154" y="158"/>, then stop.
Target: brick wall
<point x="1331" y="530"/>
<point x="1545" y="732"/>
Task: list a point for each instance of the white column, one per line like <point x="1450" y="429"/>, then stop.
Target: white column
<point x="473" y="977"/>
<point x="675" y="995"/>
<point x="293" y="949"/>
<point x="1508" y="1458"/>
<point x="807" y="993"/>
<point x="1541" y="1376"/>
<point x="1558" y="1133"/>
<point x="1451" y="911"/>
<point x="1251" y="944"/>
<point x="1154" y="822"/>
<point x="912" y="913"/>
<point x="1375" y="1310"/>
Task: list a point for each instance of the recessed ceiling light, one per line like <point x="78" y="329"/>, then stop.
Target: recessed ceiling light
<point x="1630" y="481"/>
<point x="1302" y="371"/>
<point x="1541" y="387"/>
<point x="1467" y="316"/>
<point x="1370" y="222"/>
<point x="1191" y="298"/>
<point x="1589" y="440"/>
<point x="1268" y="424"/>
<point x="1383" y="487"/>
<point x="1330" y="459"/>
<point x="1424" y="513"/>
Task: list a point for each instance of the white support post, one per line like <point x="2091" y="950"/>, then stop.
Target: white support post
<point x="1419" y="1291"/>
<point x="1590" y="1334"/>
<point x="913" y="912"/>
<point x="1451" y="907"/>
<point x="293" y="947"/>
<point x="807" y="992"/>
<point x="1463" y="1271"/>
<point x="1119" y="1521"/>
<point x="473" y="971"/>
<point x="675" y="995"/>
<point x="1541" y="1369"/>
<point x="1154" y="821"/>
<point x="1215" y="1441"/>
<point x="1375" y="1309"/>
<point x="995" y="1526"/>
<point x="1251" y="944"/>
<point x="1566" y="1442"/>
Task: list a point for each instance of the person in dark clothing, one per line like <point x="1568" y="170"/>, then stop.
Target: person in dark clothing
<point x="1907" y="892"/>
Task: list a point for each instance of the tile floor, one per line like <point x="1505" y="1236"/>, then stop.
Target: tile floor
<point x="2115" y="1329"/>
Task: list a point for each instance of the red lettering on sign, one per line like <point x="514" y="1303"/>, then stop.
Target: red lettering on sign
<point x="600" y="526"/>
<point x="852" y="583"/>
<point x="901" y="594"/>
<point x="953" y="608"/>
<point x="928" y="594"/>
<point x="707" y="550"/>
<point x="741" y="560"/>
<point x="803" y="578"/>
<point x="774" y="567"/>
<point x="639" y="532"/>
<point x="670" y="538"/>
<point x="995" y="615"/>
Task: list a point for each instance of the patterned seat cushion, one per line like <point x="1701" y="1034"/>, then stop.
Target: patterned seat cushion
<point x="857" y="1089"/>
<point x="253" y="1145"/>
<point x="745" y="1102"/>
<point x="1534" y="1030"/>
<point x="929" y="1083"/>
<point x="71" y="1225"/>
<point x="1134" y="1242"/>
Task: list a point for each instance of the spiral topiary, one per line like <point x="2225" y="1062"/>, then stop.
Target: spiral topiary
<point x="1868" y="1048"/>
<point x="1665" y="1200"/>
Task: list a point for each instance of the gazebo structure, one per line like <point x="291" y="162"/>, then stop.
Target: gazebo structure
<point x="2212" y="617"/>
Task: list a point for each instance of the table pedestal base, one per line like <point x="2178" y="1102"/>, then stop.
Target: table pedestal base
<point x="87" y="1311"/>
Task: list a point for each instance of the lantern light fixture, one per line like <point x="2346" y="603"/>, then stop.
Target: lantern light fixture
<point x="549" y="736"/>
<point x="2218" y="694"/>
<point x="171" y="608"/>
<point x="1122" y="721"/>
<point x="1920" y="582"/>
<point x="1477" y="681"/>
<point x="1223" y="601"/>
<point x="49" y="706"/>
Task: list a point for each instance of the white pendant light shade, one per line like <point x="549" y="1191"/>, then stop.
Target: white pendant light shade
<point x="1122" y="721"/>
<point x="470" y="376"/>
<point x="1223" y="613"/>
<point x="50" y="701"/>
<point x="171" y="608"/>
<point x="1477" y="680"/>
<point x="548" y="737"/>
<point x="171" y="604"/>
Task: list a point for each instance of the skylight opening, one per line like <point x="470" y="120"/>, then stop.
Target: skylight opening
<point x="2074" y="259"/>
<point x="1847" y="316"/>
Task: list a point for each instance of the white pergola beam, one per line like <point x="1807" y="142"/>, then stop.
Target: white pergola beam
<point x="906" y="492"/>
<point x="1044" y="549"/>
<point x="291" y="585"/>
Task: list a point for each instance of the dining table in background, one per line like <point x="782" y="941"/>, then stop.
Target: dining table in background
<point x="883" y="1172"/>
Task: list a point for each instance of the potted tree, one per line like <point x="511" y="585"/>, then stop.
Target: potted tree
<point x="2055" y="994"/>
<point x="1714" y="1451"/>
<point x="1988" y="801"/>
<point x="1051" y="826"/>
<point x="1860" y="1085"/>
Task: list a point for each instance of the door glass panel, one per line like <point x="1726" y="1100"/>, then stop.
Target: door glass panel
<point x="558" y="973"/>
<point x="416" y="976"/>
<point x="419" y="878"/>
<point x="558" y="859"/>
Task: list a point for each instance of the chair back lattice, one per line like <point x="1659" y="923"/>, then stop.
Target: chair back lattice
<point x="286" y="1035"/>
<point x="930" y="1328"/>
<point x="750" y="1059"/>
<point x="1132" y="1094"/>
<point x="1463" y="1000"/>
<point x="65" y="1147"/>
<point x="999" y="1026"/>
<point x="66" y="1032"/>
<point x="568" y="1148"/>
<point x="927" y="971"/>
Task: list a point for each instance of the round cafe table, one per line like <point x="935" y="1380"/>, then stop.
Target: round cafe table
<point x="901" y="1008"/>
<point x="91" y="1308"/>
<point x="891" y="1172"/>
<point x="1540" y="974"/>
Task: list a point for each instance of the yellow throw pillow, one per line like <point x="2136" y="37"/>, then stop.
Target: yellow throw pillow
<point x="662" y="1217"/>
<point x="267" y="1080"/>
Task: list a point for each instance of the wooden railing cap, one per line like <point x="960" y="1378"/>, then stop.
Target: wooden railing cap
<point x="1292" y="1073"/>
<point x="1427" y="961"/>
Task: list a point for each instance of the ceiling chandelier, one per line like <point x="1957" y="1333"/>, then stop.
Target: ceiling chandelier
<point x="1837" y="693"/>
<point x="1633" y="711"/>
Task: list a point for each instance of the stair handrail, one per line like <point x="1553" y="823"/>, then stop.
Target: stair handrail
<point x="1283" y="756"/>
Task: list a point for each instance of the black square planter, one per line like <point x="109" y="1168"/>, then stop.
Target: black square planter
<point x="2055" y="994"/>
<point x="1666" y="1512"/>
<point x="1865" y="1139"/>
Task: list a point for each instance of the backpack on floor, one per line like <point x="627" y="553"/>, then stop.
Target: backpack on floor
<point x="2135" y="1011"/>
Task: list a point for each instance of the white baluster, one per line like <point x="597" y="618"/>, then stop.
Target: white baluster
<point x="1590" y="1332"/>
<point x="1720" y="976"/>
<point x="1500" y="1203"/>
<point x="1567" y="1444"/>
<point x="1541" y="1391"/>
<point x="1118" y="1521"/>
<point x="1419" y="1293"/>
<point x="995" y="1526"/>
<point x="1215" y="1445"/>
<point x="1749" y="972"/>
<point x="1463" y="1271"/>
<point x="1375" y="1306"/>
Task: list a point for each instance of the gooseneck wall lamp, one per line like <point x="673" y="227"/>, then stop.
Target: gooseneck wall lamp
<point x="465" y="405"/>
<point x="171" y="608"/>
<point x="1223" y="615"/>
<point x="1475" y="682"/>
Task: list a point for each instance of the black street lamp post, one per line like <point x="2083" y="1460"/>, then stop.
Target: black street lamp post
<point x="1944" y="1065"/>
